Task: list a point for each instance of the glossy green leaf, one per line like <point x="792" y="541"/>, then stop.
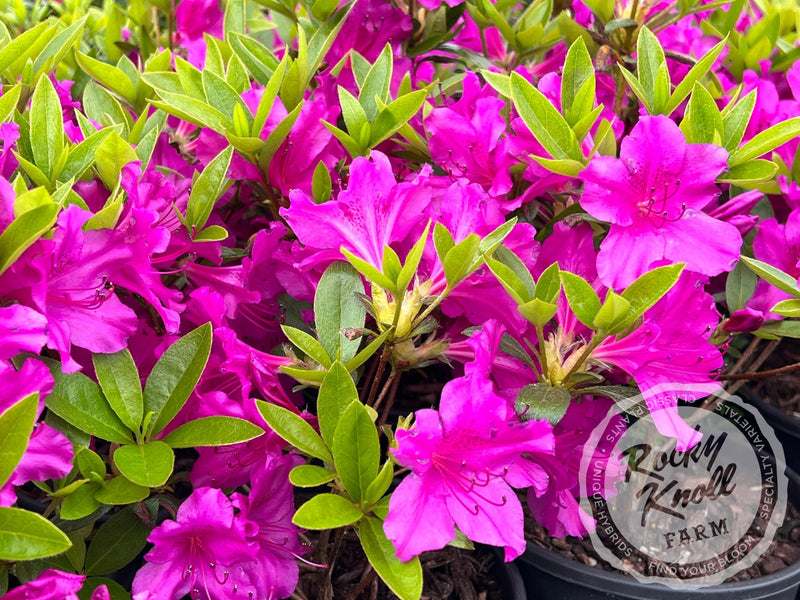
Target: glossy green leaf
<point x="108" y="75"/>
<point x="542" y="401"/>
<point x="787" y="308"/>
<point x="111" y="155"/>
<point x="577" y="83"/>
<point x="80" y="503"/>
<point x="549" y="284"/>
<point x="736" y="120"/>
<point x="118" y="541"/>
<point x="751" y="172"/>
<point x="207" y="189"/>
<point x="213" y="233"/>
<point x="82" y="156"/>
<point x="102" y="107"/>
<point x="403" y="578"/>
<point x="356" y="450"/>
<point x="121" y="490"/>
<point x="335" y="394"/>
<point x="782" y="281"/>
<point x="321" y="185"/>
<point x="649" y="289"/>
<point x="16" y="425"/>
<point x="78" y="400"/>
<point x="376" y="83"/>
<point x="582" y="298"/>
<point x="326" y="511"/>
<point x="212" y="431"/>
<point x="336" y="307"/>
<point x="175" y="375"/>
<point x="149" y="464"/>
<point x="307" y="344"/>
<point x="544" y="122"/>
<point x="20" y="47"/>
<point x="459" y="259"/>
<point x="698" y="70"/>
<point x="47" y="127"/>
<point x="650" y="57"/>
<point x="538" y="311"/>
<point x="739" y="287"/>
<point x="766" y="141"/>
<point x="394" y="115"/>
<point x="310" y="476"/>
<point x="294" y="429"/>
<point x="89" y="462"/>
<point x="25" y="536"/>
<point x="703" y="121"/>
<point x="612" y="313"/>
<point x="119" y="379"/>
<point x="380" y="485"/>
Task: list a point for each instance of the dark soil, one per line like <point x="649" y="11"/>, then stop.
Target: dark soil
<point x="448" y="574"/>
<point x="784" y="551"/>
<point x="783" y="390"/>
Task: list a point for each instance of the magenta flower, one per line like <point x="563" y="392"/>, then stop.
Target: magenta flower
<point x="54" y="585"/>
<point x="373" y="212"/>
<point x="463" y="460"/>
<point x="653" y="196"/>
<point x="201" y="554"/>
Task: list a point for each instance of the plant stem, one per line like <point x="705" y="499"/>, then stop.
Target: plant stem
<point x="390" y="401"/>
<point x="753" y="374"/>
<point x="378" y="376"/>
<point x="385" y="389"/>
<point x="366" y="579"/>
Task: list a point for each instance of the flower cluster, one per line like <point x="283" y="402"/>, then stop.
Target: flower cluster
<point x="236" y="235"/>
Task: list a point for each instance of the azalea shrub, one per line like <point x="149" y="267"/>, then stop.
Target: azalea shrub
<point x="238" y="238"/>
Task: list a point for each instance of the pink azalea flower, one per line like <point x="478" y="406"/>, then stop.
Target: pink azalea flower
<point x="52" y="584"/>
<point x="202" y="554"/>
<point x="193" y="19"/>
<point x="653" y="196"/>
<point x="463" y="460"/>
<point x="374" y="211"/>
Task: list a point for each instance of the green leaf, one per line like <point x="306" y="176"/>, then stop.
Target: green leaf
<point x="650" y="57"/>
<point x="223" y="97"/>
<point x="577" y="83"/>
<point x="257" y="58"/>
<point x="549" y="284"/>
<point x="321" y="185"/>
<point x="736" y="121"/>
<point x="195" y="111"/>
<point x="356" y="450"/>
<point x="174" y="376"/>
<point x="110" y="76"/>
<point x="614" y="310"/>
<point x="739" y="287"/>
<point x="412" y="261"/>
<point x="459" y="259"/>
<point x="47" y="127"/>
<point x="277" y="136"/>
<point x="790" y="329"/>
<point x="766" y="141"/>
<point x="8" y="102"/>
<point x="539" y="401"/>
<point x="308" y="344"/>
<point x="119" y="379"/>
<point x="82" y="156"/>
<point x="214" y="233"/>
<point x="207" y="189"/>
<point x="89" y="462"/>
<point x="294" y="429"/>
<point x="703" y="121"/>
<point x="380" y="484"/>
<point x="698" y="70"/>
<point x="370" y="349"/>
<point x="403" y="578"/>
<point x="100" y="106"/>
<point x="25" y="536"/>
<point x="16" y="425"/>
<point x="782" y="281"/>
<point x="212" y="431"/>
<point x="336" y="306"/>
<point x="396" y="114"/>
<point x="111" y="155"/>
<point x="636" y="88"/>
<point x="118" y="541"/>
<point x="78" y="400"/>
<point x="121" y="490"/>
<point x="649" y="289"/>
<point x="326" y="511"/>
<point x="80" y="503"/>
<point x="753" y="171"/>
<point x="582" y="298"/>
<point x="335" y="394"/>
<point x="19" y="47"/>
<point x="310" y="476"/>
<point x="376" y="83"/>
<point x="442" y="240"/>
<point x="787" y="308"/>
<point x="544" y="122"/>
<point x="537" y="311"/>
<point x="352" y="112"/>
<point x="149" y="464"/>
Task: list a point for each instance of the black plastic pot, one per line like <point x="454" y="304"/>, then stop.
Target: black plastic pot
<point x="787" y="428"/>
<point x="550" y="576"/>
<point x="509" y="578"/>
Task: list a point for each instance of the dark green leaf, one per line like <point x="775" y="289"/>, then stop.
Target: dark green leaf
<point x="739" y="287"/>
<point x="336" y="307"/>
<point x="118" y="541"/>
<point x="539" y="401"/>
<point x="175" y="375"/>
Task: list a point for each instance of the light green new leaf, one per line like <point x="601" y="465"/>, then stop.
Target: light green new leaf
<point x="47" y="127"/>
<point x="110" y="76"/>
<point x="649" y="289"/>
<point x="782" y="281"/>
<point x="336" y="307"/>
<point x="544" y="122"/>
<point x="26" y="536"/>
<point x="89" y="462"/>
<point x="736" y="121"/>
<point x="751" y="172"/>
<point x="121" y="490"/>
<point x="766" y="141"/>
<point x="212" y="431"/>
<point x="24" y="231"/>
<point x="335" y="394"/>
<point x="294" y="429"/>
<point x="703" y="121"/>
<point x="175" y="375"/>
<point x="119" y="378"/>
<point x="207" y="189"/>
<point x="577" y="83"/>
<point x="308" y="344"/>
<point x="394" y="115"/>
<point x="80" y="503"/>
<point x="16" y="425"/>
<point x="111" y="155"/>
<point x="326" y="511"/>
<point x="787" y="308"/>
<point x="582" y="298"/>
<point x="82" y="156"/>
<point x="650" y="57"/>
<point x="403" y="578"/>
<point x="310" y="476"/>
<point x="698" y="70"/>
<point x="356" y="450"/>
<point x="376" y="83"/>
<point x="149" y="465"/>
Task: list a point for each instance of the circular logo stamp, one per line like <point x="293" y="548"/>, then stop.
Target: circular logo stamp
<point x="686" y="519"/>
